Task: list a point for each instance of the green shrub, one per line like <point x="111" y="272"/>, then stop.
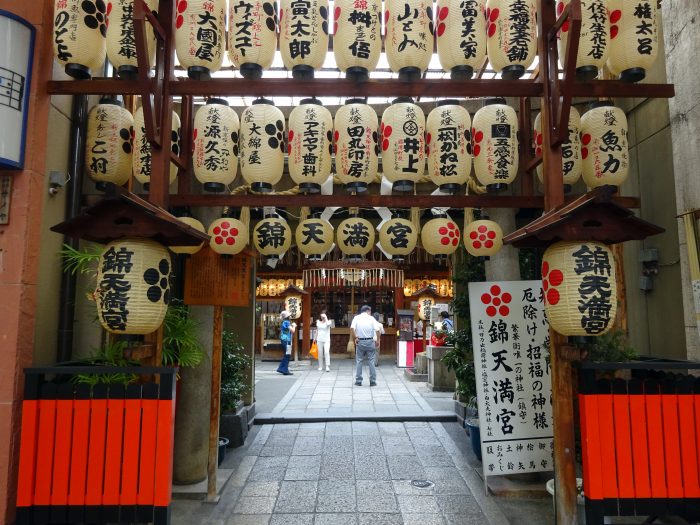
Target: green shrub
<point x="234" y="363"/>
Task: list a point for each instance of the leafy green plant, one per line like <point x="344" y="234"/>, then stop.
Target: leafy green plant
<point x="180" y="344"/>
<point x="80" y="260"/>
<point x="460" y="359"/>
<point x="234" y="363"/>
<point x="112" y="354"/>
<point x="610" y="348"/>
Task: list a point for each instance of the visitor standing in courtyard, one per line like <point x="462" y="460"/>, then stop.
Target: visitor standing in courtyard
<point x="287" y="329"/>
<point x="323" y="340"/>
<point x="363" y="330"/>
<point x="447" y="323"/>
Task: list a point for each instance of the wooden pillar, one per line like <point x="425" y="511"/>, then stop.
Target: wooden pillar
<point x="215" y="401"/>
<point x="306" y="321"/>
<point x="621" y="316"/>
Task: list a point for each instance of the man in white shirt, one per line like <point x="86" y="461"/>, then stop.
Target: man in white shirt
<point x="364" y="330"/>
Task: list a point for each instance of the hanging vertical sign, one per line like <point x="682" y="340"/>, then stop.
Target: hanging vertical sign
<point x="513" y="382"/>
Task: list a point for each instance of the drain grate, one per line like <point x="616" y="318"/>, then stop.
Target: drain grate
<point x="421" y="483"/>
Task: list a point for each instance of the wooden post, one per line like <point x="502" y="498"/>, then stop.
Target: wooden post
<point x="621" y="316"/>
<point x="215" y="402"/>
<point x="306" y="321"/>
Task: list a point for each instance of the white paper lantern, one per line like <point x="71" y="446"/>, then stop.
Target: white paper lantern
<point x="355" y="238"/>
<point x="133" y="286"/>
<point x="272" y="237"/>
<point x="314" y="238"/>
<point x="228" y="236"/>
<point x="409" y="36"/>
<point x="425" y="304"/>
<point x="141" y="157"/>
<point x="252" y="35"/>
<point x="293" y="304"/>
<point x="309" y="145"/>
<point x="109" y="143"/>
<point x="580" y="288"/>
<point x="495" y="144"/>
<point x="215" y="137"/>
<point x="303" y="35"/>
<point x="448" y="145"/>
<point x="121" y="38"/>
<point x="189" y="250"/>
<point x="571" y="161"/>
<point x="634" y="37"/>
<point x="604" y="147"/>
<point x="356" y="145"/>
<point x="398" y="238"/>
<point x="262" y="145"/>
<point x="593" y="43"/>
<point x="483" y="238"/>
<point x="511" y="36"/>
<point x="403" y="143"/>
<point x="460" y="32"/>
<point x="79" y="31"/>
<point x="357" y="38"/>
<point x="440" y="237"/>
<point x="200" y="32"/>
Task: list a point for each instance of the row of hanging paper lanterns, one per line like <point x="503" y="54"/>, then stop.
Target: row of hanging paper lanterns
<point x="596" y="148"/>
<point x="622" y="33"/>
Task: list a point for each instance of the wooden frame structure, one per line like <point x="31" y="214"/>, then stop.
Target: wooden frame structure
<point x="556" y="93"/>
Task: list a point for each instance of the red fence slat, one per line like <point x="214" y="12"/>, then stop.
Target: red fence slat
<point x="28" y="453"/>
<point x="640" y="446"/>
<point x="606" y="423"/>
<point x="96" y="454"/>
<point x="623" y="445"/>
<point x="689" y="443"/>
<point x="62" y="443"/>
<point x="147" y="468"/>
<point x="79" y="452"/>
<point x="45" y="451"/>
<point x="130" y="464"/>
<point x="672" y="445"/>
<point x="164" y="452"/>
<point x="113" y="452"/>
<point x="590" y="442"/>
<point x="656" y="447"/>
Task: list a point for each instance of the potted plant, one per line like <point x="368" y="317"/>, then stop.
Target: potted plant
<point x="458" y="358"/>
<point x="233" y="424"/>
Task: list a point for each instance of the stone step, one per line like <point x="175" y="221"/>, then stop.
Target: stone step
<point x="270" y="418"/>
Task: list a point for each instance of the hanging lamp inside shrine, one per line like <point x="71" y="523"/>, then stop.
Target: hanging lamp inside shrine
<point x="604" y="147"/>
<point x="460" y="33"/>
<point x="272" y="238"/>
<point x="79" y="31"/>
<point x="426" y="301"/>
<point x="580" y="287"/>
<point x="448" y="145"/>
<point x="109" y="143"/>
<point x="398" y="238"/>
<point x="228" y="236"/>
<point x="511" y="31"/>
<point x="121" y="38"/>
<point x="252" y="36"/>
<point x="356" y="144"/>
<point x="403" y="144"/>
<point x="262" y="145"/>
<point x="409" y="37"/>
<point x="594" y="39"/>
<point x="571" y="161"/>
<point x="189" y="250"/>
<point x="483" y="238"/>
<point x="309" y="145"/>
<point x="440" y="237"/>
<point x="357" y="37"/>
<point x="293" y="304"/>
<point x="355" y="238"/>
<point x="133" y="286"/>
<point x="495" y="144"/>
<point x="314" y="238"/>
<point x="634" y="37"/>
<point x="303" y="36"/>
<point x="215" y="139"/>
<point x="141" y="158"/>
<point x="200" y="32"/>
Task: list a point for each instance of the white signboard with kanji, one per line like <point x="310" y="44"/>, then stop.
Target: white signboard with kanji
<point x="511" y="361"/>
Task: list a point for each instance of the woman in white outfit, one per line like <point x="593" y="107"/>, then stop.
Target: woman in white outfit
<point x="323" y="340"/>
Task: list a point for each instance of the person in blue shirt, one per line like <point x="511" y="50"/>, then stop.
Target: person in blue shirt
<point x="447" y="323"/>
<point x="286" y="332"/>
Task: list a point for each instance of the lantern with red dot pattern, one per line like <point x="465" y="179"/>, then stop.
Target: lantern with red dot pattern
<point x="511" y="36"/>
<point x="398" y="238"/>
<point x="121" y="41"/>
<point x="79" y="31"/>
<point x="495" y="144"/>
<point x="483" y="238"/>
<point x="593" y="43"/>
<point x="189" y="250"/>
<point x="634" y="37"/>
<point x="403" y="143"/>
<point x="109" y="143"/>
<point x="580" y="288"/>
<point x="303" y="36"/>
<point x="571" y="162"/>
<point x="228" y="236"/>
<point x="141" y="157"/>
<point x="272" y="237"/>
<point x="604" y="146"/>
<point x="200" y="36"/>
<point x="252" y="46"/>
<point x="355" y="238"/>
<point x="425" y="304"/>
<point x="215" y="137"/>
<point x="460" y="32"/>
<point x="440" y="237"/>
<point x="309" y="145"/>
<point x="356" y="144"/>
<point x="357" y="38"/>
<point x="261" y="143"/>
<point x="409" y="36"/>
<point x="314" y="238"/>
<point x="448" y="145"/>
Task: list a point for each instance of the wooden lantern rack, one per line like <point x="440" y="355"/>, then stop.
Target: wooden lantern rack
<point x="556" y="94"/>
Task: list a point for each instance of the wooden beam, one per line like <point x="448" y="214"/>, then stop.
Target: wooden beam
<point x="525" y="123"/>
<point x="561" y="101"/>
<point x="150" y="117"/>
<point x="214" y="412"/>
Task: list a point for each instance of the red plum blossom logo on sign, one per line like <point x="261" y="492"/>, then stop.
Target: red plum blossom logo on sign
<point x="497" y="301"/>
